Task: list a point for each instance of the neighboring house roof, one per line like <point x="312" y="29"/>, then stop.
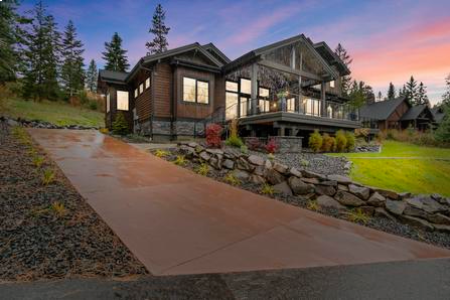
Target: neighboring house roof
<point x="438" y="113"/>
<point x="255" y="54"/>
<point x="112" y="76"/>
<point x="414" y="112"/>
<point x="381" y="110"/>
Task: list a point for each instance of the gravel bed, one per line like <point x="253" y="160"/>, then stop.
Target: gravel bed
<point x="50" y="232"/>
<point x="436" y="238"/>
<point x="317" y="163"/>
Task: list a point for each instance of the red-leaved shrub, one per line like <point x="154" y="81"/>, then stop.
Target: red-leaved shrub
<point x="213" y="135"/>
<point x="272" y="146"/>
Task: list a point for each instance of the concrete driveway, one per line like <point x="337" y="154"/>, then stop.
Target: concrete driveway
<point x="177" y="222"/>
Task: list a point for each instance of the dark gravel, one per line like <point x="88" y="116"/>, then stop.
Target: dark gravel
<point x="317" y="163"/>
<point x="39" y="242"/>
<point x="440" y="239"/>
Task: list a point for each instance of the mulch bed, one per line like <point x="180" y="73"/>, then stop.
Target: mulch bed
<point x="49" y="231"/>
<point x="440" y="239"/>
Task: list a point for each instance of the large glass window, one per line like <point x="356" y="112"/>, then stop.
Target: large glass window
<point x="246" y="86"/>
<point x="312" y="107"/>
<point x="122" y="100"/>
<point x="195" y="90"/>
<point x="147" y="83"/>
<point x="108" y="102"/>
<point x="291" y="105"/>
<point x="332" y="84"/>
<point x="264" y="105"/>
<point x="263" y="92"/>
<point x="231" y="100"/>
<point x="231" y="86"/>
<point x="244" y="106"/>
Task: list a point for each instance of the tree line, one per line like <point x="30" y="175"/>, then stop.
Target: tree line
<point x="50" y="62"/>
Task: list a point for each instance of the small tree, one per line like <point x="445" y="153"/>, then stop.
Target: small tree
<point x="272" y="146"/>
<point x="160" y="31"/>
<point x="234" y="139"/>
<point x="351" y="141"/>
<point x="315" y="141"/>
<point x="422" y="97"/>
<point x="341" y="52"/>
<point x="341" y="141"/>
<point x="91" y="77"/>
<point x="120" y="125"/>
<point x="442" y="134"/>
<point x="391" y="92"/>
<point x="411" y="91"/>
<point x="213" y="135"/>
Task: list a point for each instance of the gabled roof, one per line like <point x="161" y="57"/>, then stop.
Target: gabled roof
<point x="381" y="110"/>
<point x="438" y="113"/>
<point x="212" y="48"/>
<point x="113" y="76"/>
<point x="254" y="54"/>
<point x="331" y="58"/>
<point x="414" y="112"/>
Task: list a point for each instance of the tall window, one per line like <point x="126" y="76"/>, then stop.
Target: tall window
<point x="147" y="83"/>
<point x="231" y="100"/>
<point x="136" y="93"/>
<point x="244" y="106"/>
<point x="264" y="103"/>
<point x="291" y="105"/>
<point x="332" y="84"/>
<point x="141" y="88"/>
<point x="195" y="91"/>
<point x="312" y="107"/>
<point x="108" y="102"/>
<point x="246" y="86"/>
<point x="122" y="100"/>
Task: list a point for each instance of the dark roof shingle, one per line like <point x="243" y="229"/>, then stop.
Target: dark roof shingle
<point x="381" y="110"/>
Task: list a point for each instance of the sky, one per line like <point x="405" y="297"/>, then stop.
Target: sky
<point x="389" y="40"/>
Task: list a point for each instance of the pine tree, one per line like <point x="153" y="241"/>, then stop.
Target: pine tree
<point x="411" y="91"/>
<point x="91" y="77"/>
<point x="446" y="95"/>
<point x="380" y="96"/>
<point x="356" y="95"/>
<point x="442" y="133"/>
<point x="402" y="92"/>
<point x="11" y="40"/>
<point x="160" y="31"/>
<point x="42" y="56"/>
<point x="347" y="60"/>
<point x="115" y="57"/>
<point x="391" y="92"/>
<point x="72" y="72"/>
<point x="422" y="97"/>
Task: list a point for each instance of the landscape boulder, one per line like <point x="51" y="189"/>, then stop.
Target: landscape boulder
<point x="256" y="160"/>
<point x="348" y="199"/>
<point x="299" y="187"/>
<point x="360" y="191"/>
<point x="325" y="190"/>
<point x="327" y="201"/>
<point x="376" y="200"/>
<point x="340" y="179"/>
<point x="273" y="177"/>
<point x="395" y="207"/>
<point x="283" y="188"/>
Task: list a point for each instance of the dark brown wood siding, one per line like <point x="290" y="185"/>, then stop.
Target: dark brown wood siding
<point x="143" y="101"/>
<point x="162" y="89"/>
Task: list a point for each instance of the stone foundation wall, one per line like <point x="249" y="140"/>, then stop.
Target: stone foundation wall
<point x="336" y="191"/>
<point x="189" y="128"/>
<point x="161" y="127"/>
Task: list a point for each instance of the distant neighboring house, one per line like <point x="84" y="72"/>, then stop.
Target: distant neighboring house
<point x="396" y="114"/>
<point x="288" y="88"/>
<point x="438" y="113"/>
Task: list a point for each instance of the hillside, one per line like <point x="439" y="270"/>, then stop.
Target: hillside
<point x="58" y="113"/>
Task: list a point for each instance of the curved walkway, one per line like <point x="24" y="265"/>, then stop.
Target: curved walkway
<point x="177" y="222"/>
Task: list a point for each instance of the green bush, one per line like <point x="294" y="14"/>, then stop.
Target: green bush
<point x="341" y="141"/>
<point x="327" y="143"/>
<point x="120" y="125"/>
<point x="442" y="134"/>
<point x="234" y="140"/>
<point x="351" y="141"/>
<point x="93" y="105"/>
<point x="315" y="141"/>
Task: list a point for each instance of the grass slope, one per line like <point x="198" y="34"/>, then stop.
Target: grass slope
<point x="58" y="113"/>
<point x="419" y="169"/>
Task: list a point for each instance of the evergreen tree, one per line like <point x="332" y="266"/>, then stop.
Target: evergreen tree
<point x="422" y="97"/>
<point x="341" y="52"/>
<point x="411" y="91"/>
<point x="115" y="57"/>
<point x="402" y="92"/>
<point x="442" y="133"/>
<point x="160" y="31"/>
<point x="446" y="95"/>
<point x="11" y="40"/>
<point x="380" y="96"/>
<point x="72" y="72"/>
<point x="42" y="56"/>
<point x="356" y="95"/>
<point x="91" y="77"/>
<point x="391" y="92"/>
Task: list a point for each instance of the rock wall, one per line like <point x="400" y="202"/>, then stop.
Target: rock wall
<point x="41" y="124"/>
<point x="337" y="191"/>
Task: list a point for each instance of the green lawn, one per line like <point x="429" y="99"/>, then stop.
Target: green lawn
<point x="58" y="113"/>
<point x="418" y="170"/>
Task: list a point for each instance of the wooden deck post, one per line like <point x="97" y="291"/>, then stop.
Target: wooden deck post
<point x="254" y="95"/>
<point x="323" y="97"/>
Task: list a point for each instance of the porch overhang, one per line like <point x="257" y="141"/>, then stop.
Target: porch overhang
<point x="298" y="119"/>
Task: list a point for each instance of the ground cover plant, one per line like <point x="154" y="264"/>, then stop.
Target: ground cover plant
<point x="403" y="167"/>
<point x="47" y="230"/>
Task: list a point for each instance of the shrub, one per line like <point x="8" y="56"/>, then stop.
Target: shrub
<point x="203" y="169"/>
<point x="271" y="146"/>
<point x="93" y="105"/>
<point x="180" y="160"/>
<point x="327" y="143"/>
<point x="213" y="135"/>
<point x="358" y="216"/>
<point x="244" y="149"/>
<point x="58" y="208"/>
<point x="231" y="179"/>
<point x="104" y="130"/>
<point x="312" y="205"/>
<point x="351" y="141"/>
<point x="270" y="156"/>
<point x="315" y="141"/>
<point x="234" y="139"/>
<point x="267" y="190"/>
<point x="341" y="141"/>
<point x="120" y="125"/>
<point x="48" y="177"/>
<point x="38" y="161"/>
<point x="161" y="153"/>
<point x="442" y="134"/>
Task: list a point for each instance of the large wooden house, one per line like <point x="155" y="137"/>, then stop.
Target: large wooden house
<point x="288" y="88"/>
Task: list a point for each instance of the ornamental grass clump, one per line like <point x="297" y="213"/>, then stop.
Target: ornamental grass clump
<point x="203" y="169"/>
<point x="315" y="141"/>
<point x="180" y="160"/>
<point x="341" y="141"/>
<point x="358" y="216"/>
<point x="351" y="141"/>
<point x="230" y="178"/>
<point x="234" y="140"/>
<point x="313" y="205"/>
<point x="328" y="143"/>
<point x="58" y="208"/>
<point x="267" y="189"/>
<point x="38" y="161"/>
<point x="161" y="153"/>
<point x="48" y="177"/>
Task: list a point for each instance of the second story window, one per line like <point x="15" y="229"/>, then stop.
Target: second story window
<point x="195" y="91"/>
<point x="332" y="84"/>
<point x="147" y="83"/>
<point x="141" y="88"/>
<point x="136" y="93"/>
<point x="122" y="100"/>
<point x="246" y="86"/>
